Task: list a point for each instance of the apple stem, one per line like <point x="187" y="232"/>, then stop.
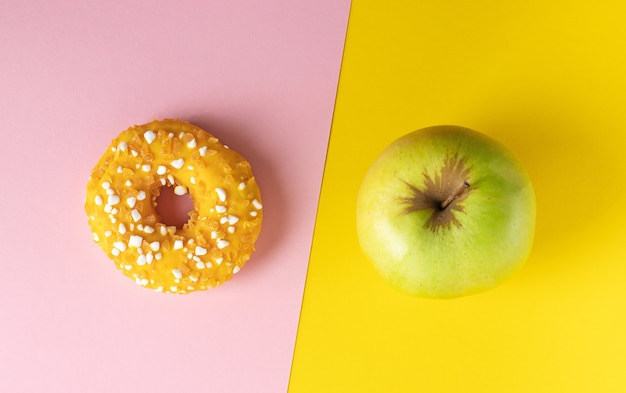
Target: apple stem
<point x="455" y="194"/>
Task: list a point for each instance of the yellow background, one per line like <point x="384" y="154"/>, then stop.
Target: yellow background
<point x="548" y="79"/>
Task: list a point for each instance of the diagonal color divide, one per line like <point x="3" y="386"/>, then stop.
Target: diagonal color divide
<point x="261" y="76"/>
<point x="545" y="79"/>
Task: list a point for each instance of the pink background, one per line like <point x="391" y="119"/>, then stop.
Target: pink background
<point x="261" y="75"/>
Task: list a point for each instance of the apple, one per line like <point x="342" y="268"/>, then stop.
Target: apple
<point x="444" y="212"/>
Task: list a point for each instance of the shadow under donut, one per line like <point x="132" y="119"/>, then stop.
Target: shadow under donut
<point x="247" y="142"/>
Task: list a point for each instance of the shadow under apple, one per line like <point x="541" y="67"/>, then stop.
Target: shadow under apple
<point x="574" y="170"/>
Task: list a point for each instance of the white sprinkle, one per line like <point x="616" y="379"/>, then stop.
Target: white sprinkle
<point x="170" y="135"/>
<point x="231" y="229"/>
<point x="213" y="234"/>
<point x="202" y="151"/>
<point x="113" y="149"/>
<point x="223" y="220"/>
<point x="122" y="228"/>
<point x="159" y="289"/>
<point x="173" y="288"/>
<point x="242" y="186"/>
<point x="222" y="243"/>
<point x="107" y="208"/>
<point x="143" y="282"/>
<point x="113" y="200"/>
<point x="161" y="170"/>
<point x="171" y="228"/>
<point x="170" y="179"/>
<point x="113" y="219"/>
<point x="115" y="252"/>
<point x="134" y="153"/>
<point x="178" y="244"/>
<point x="149" y="258"/>
<point x="221" y="194"/>
<point x="128" y="267"/>
<point x="150" y="136"/>
<point x="108" y="233"/>
<point x="236" y="269"/>
<point x="192" y="143"/>
<point x="122" y="146"/>
<point x="178" y="163"/>
<point x="180" y="190"/>
<point x="154" y="246"/>
<point x="157" y="256"/>
<point x="232" y="220"/>
<point x="98" y="200"/>
<point x="106" y="185"/>
<point x="135" y="241"/>
<point x="120" y="169"/>
<point x="197" y="259"/>
<point x="163" y="181"/>
<point x="191" y="167"/>
<point x="136" y="215"/>
<point x="141" y="260"/>
<point x="146" y="167"/>
<point x="148" y="229"/>
<point x="219" y="260"/>
<point x="128" y="183"/>
<point x="140" y="227"/>
<point x="177" y="273"/>
<point x="95" y="237"/>
<point x="110" y="191"/>
<point x="253" y="213"/>
<point x="190" y="255"/>
<point x="200" y="250"/>
<point x="163" y="230"/>
<point x="130" y="201"/>
<point x="220" y="209"/>
<point x="257" y="205"/>
<point x="141" y="195"/>
<point x="192" y="180"/>
<point x="120" y="246"/>
<point x="114" y="210"/>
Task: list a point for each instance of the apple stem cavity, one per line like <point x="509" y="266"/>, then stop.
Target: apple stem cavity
<point x="464" y="186"/>
<point x="442" y="194"/>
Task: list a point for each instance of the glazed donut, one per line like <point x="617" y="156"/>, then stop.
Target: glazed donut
<point x="121" y="198"/>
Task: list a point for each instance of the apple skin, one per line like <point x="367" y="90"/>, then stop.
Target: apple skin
<point x="473" y="244"/>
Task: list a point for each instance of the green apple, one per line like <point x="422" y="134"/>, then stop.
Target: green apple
<point x="445" y="212"/>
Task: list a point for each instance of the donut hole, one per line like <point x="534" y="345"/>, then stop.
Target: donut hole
<point x="173" y="209"/>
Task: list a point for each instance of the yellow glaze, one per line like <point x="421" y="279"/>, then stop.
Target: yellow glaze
<point x="121" y="198"/>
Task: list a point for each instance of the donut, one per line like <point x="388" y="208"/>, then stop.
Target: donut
<point x="121" y="200"/>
